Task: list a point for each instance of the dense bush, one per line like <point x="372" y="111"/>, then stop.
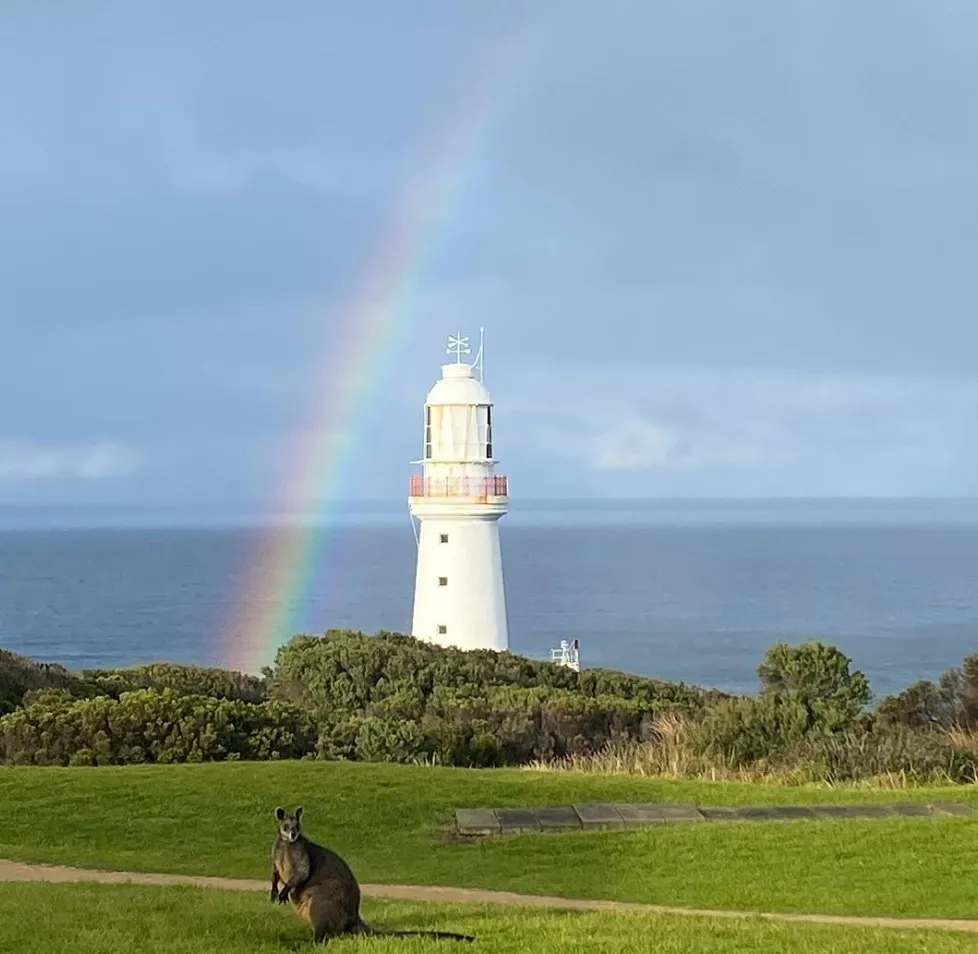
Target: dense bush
<point x="151" y="725"/>
<point x="22" y="679"/>
<point x="818" y="676"/>
<point x="393" y="698"/>
<point x="808" y="692"/>
<point x="19" y="675"/>
<point x="922" y="705"/>
<point x="528" y="724"/>
<point x="390" y="740"/>
<point x="950" y="703"/>
<point x="745" y="730"/>
<point x="464" y="708"/>
<point x="349" y="671"/>
<point x="185" y="680"/>
<point x="920" y="757"/>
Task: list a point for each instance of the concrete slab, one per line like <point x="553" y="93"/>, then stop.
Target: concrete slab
<point x="755" y="813"/>
<point x="650" y="814"/>
<point x="852" y="811"/>
<point x="636" y="814"/>
<point x="953" y="808"/>
<point x="792" y="811"/>
<point x="561" y="817"/>
<point x="717" y="813"/>
<point x="680" y="813"/>
<point x="912" y="809"/>
<point x="773" y="812"/>
<point x="517" y="819"/>
<point x="477" y="821"/>
<point x="598" y="815"/>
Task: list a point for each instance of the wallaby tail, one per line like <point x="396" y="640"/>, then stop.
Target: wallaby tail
<point x="364" y="928"/>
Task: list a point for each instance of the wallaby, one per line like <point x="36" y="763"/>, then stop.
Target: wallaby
<point x="322" y="888"/>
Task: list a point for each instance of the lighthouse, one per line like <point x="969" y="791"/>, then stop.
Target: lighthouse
<point x="458" y="500"/>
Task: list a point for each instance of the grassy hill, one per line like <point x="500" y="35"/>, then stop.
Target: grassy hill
<point x="392" y="821"/>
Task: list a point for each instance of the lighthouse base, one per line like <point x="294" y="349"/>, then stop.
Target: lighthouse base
<point x="458" y="593"/>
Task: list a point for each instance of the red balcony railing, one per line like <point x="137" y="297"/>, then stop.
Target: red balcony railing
<point x="471" y="488"/>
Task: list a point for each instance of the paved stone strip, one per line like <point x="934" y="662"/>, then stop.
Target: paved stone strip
<point x="57" y="874"/>
<point x="603" y="815"/>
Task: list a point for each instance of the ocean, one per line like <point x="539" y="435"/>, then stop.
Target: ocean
<point x="682" y="590"/>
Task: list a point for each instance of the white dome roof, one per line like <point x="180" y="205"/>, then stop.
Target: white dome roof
<point x="458" y="386"/>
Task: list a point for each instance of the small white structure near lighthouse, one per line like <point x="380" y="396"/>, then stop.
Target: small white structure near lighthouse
<point x="458" y="500"/>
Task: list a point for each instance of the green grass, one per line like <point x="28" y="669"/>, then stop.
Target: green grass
<point x="388" y="822"/>
<point x="101" y="919"/>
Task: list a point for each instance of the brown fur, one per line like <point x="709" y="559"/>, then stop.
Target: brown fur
<point x="322" y="889"/>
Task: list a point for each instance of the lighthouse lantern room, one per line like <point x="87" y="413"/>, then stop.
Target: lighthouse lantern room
<point x="457" y="500"/>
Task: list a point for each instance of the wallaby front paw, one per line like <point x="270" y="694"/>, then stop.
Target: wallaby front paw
<point x="273" y="895"/>
<point x="283" y="896"/>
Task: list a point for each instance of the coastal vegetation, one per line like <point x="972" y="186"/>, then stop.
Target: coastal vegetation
<point x="391" y="698"/>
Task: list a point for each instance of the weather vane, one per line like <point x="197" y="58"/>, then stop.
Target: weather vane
<point x="458" y="345"/>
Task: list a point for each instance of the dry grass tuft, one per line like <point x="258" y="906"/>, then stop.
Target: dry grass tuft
<point x="667" y="754"/>
<point x="670" y="755"/>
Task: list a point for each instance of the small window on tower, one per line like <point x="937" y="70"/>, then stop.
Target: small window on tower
<point x="442" y="629"/>
<point x="443" y="581"/>
<point x="427" y="432"/>
<point x="489" y="432"/>
<point x="444" y="538"/>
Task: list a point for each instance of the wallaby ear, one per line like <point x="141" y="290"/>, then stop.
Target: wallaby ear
<point x="280" y="813"/>
<point x="298" y="813"/>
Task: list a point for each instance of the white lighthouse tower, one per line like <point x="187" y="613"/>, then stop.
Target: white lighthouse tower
<point x="458" y="500"/>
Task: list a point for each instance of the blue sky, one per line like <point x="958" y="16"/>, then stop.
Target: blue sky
<point x="719" y="249"/>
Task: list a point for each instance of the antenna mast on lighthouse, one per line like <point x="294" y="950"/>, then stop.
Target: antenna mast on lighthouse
<point x="480" y="358"/>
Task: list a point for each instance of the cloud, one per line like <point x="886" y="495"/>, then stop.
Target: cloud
<point x="21" y="461"/>
<point x="635" y="443"/>
<point x="752" y="432"/>
<point x="739" y="243"/>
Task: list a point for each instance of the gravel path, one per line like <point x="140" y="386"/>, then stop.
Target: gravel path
<point x="17" y="871"/>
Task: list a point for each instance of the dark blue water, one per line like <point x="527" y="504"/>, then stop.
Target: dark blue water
<point x="682" y="591"/>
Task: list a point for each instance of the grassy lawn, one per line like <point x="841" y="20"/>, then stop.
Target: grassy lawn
<point x="217" y="819"/>
<point x="99" y="919"/>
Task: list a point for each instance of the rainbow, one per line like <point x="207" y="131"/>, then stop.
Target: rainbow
<point x="371" y="329"/>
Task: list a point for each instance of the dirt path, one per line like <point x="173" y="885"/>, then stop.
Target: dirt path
<point x="17" y="871"/>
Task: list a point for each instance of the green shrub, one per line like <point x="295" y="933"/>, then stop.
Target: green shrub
<point x="150" y="725"/>
<point x="391" y="740"/>
<point x="182" y="679"/>
<point x="338" y="740"/>
<point x="19" y="675"/>
<point x="960" y="686"/>
<point x="918" y="756"/>
<point x="529" y="724"/>
<point x="818" y="675"/>
<point x="950" y="703"/>
<point x="349" y="672"/>
<point x="48" y="697"/>
<point x="652" y="693"/>
<point x="504" y="726"/>
<point x="467" y="708"/>
<point x="394" y="698"/>
<point x="745" y="730"/>
<point x="923" y="705"/>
